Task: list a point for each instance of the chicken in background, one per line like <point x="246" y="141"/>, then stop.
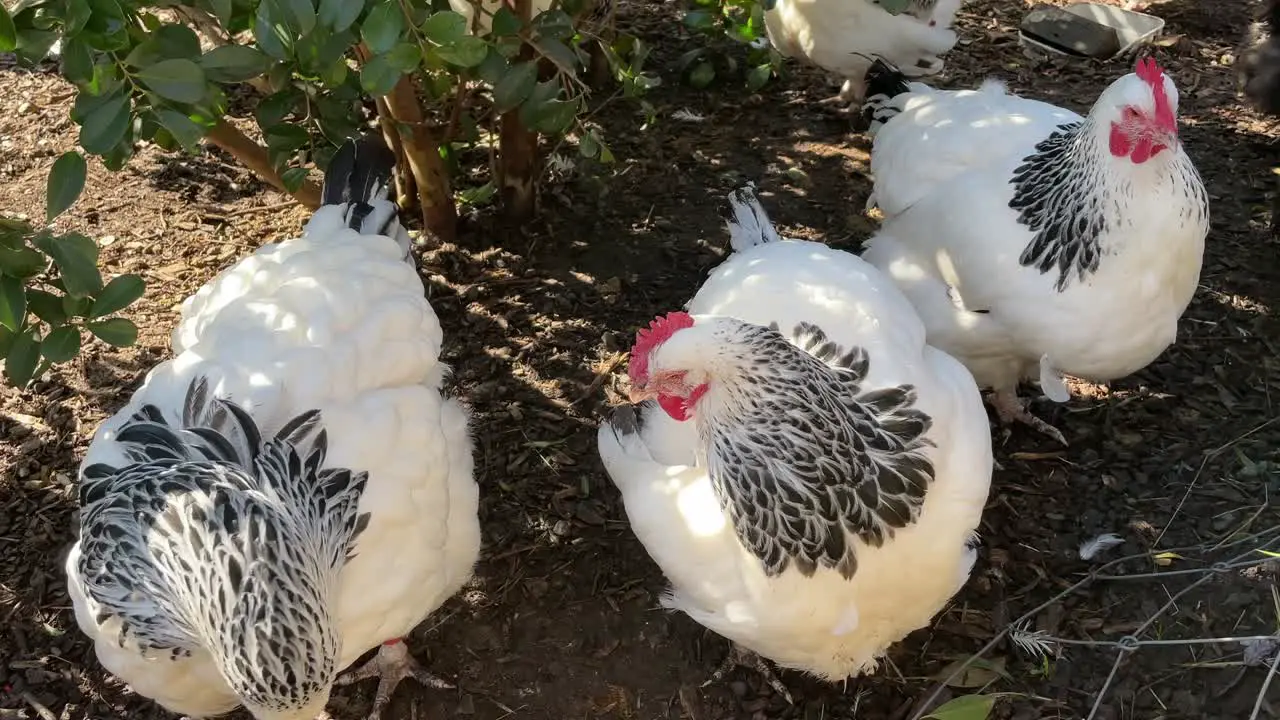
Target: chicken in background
<point x="808" y="472"/>
<point x="291" y="489"/>
<point x="1033" y="241"/>
<point x="1260" y="60"/>
<point x="843" y="37"/>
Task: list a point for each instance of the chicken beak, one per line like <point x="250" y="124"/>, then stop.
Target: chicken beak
<point x="640" y="394"/>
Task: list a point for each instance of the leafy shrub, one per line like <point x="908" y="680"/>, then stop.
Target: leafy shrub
<point x="51" y="291"/>
<point x="307" y="67"/>
<point x="729" y="27"/>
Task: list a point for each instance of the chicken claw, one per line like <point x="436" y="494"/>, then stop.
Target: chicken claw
<point x="741" y="657"/>
<point x="1010" y="408"/>
<point x="391" y="665"/>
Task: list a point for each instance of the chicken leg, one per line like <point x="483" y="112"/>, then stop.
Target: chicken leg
<point x="741" y="657"/>
<point x="392" y="664"/>
<point x="1009" y="407"/>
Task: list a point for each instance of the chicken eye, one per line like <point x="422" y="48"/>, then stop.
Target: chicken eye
<point x="1130" y="114"/>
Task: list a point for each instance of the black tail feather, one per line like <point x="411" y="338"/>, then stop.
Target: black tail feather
<point x="360" y="173"/>
<point x="884" y="82"/>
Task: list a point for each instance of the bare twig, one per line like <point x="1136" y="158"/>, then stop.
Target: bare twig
<point x="254" y="156"/>
<point x="44" y="712"/>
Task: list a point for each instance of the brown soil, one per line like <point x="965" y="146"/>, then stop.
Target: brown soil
<point x="561" y="620"/>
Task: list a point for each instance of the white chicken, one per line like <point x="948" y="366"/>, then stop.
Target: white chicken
<point x="291" y="489"/>
<point x="807" y="472"/>
<point x="1033" y="241"/>
<point x="843" y="37"/>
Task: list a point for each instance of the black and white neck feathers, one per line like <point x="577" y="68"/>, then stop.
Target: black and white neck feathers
<point x="801" y="456"/>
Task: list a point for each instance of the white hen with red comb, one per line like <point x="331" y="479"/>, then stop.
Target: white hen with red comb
<point x="806" y="470"/>
<point x="1035" y="242"/>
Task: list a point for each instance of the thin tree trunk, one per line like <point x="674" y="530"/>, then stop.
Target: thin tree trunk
<point x="404" y="176"/>
<point x="435" y="194"/>
<point x="254" y="156"/>
<point x="518" y="149"/>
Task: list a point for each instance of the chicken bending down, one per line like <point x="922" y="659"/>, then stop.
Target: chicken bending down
<point x="1033" y="241"/>
<point x="291" y="489"/>
<point x="808" y="473"/>
<point x="843" y="37"/>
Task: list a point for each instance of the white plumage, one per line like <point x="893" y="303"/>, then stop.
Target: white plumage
<point x="1033" y="241"/>
<point x="811" y="590"/>
<point x="843" y="37"/>
<point x="334" y="321"/>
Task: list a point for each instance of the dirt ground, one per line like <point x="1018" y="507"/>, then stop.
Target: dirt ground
<point x="561" y="620"/>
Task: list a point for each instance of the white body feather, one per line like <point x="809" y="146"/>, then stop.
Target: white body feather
<point x="334" y="321"/>
<point x="943" y="170"/>
<point x="844" y="36"/>
<point x="823" y="624"/>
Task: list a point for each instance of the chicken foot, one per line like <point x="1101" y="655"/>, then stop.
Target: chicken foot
<point x="392" y="664"/>
<point x="741" y="657"/>
<point x="1009" y="408"/>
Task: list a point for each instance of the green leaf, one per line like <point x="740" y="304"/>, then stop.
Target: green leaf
<point x="293" y="178"/>
<point x="13" y="303"/>
<point x="965" y="707"/>
<point x="493" y="68"/>
<point x="272" y="34"/>
<point x="114" y="331"/>
<point x="105" y="126"/>
<point x="77" y="16"/>
<point x="6" y="341"/>
<point x="21" y="262"/>
<point x="339" y="14"/>
<point x="220" y="9"/>
<point x="118" y="294"/>
<point x="758" y="76"/>
<point x="61" y="345"/>
<point x="505" y="22"/>
<point x="515" y="86"/>
<point x="185" y="130"/>
<point x="234" y="63"/>
<point x="178" y="80"/>
<point x="46" y="306"/>
<point x="378" y="76"/>
<point x="66" y="182"/>
<point x="446" y="27"/>
<point x="76" y="306"/>
<point x="77" y="259"/>
<point x="8" y="33"/>
<point x="702" y="75"/>
<point x="554" y="24"/>
<point x="20" y="364"/>
<point x="77" y="61"/>
<point x="588" y="146"/>
<point x="467" y="52"/>
<point x="168" y="42"/>
<point x="383" y="26"/>
<point x="297" y="15"/>
<point x="699" y="20"/>
<point x="559" y="53"/>
<point x="405" y="57"/>
<point x="552" y="117"/>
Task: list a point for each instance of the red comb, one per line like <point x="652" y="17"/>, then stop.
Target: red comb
<point x="658" y="332"/>
<point x="1149" y="72"/>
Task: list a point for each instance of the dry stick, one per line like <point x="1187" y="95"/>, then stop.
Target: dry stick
<point x="254" y="156"/>
<point x="404" y="177"/>
<point x="517" y="146"/>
